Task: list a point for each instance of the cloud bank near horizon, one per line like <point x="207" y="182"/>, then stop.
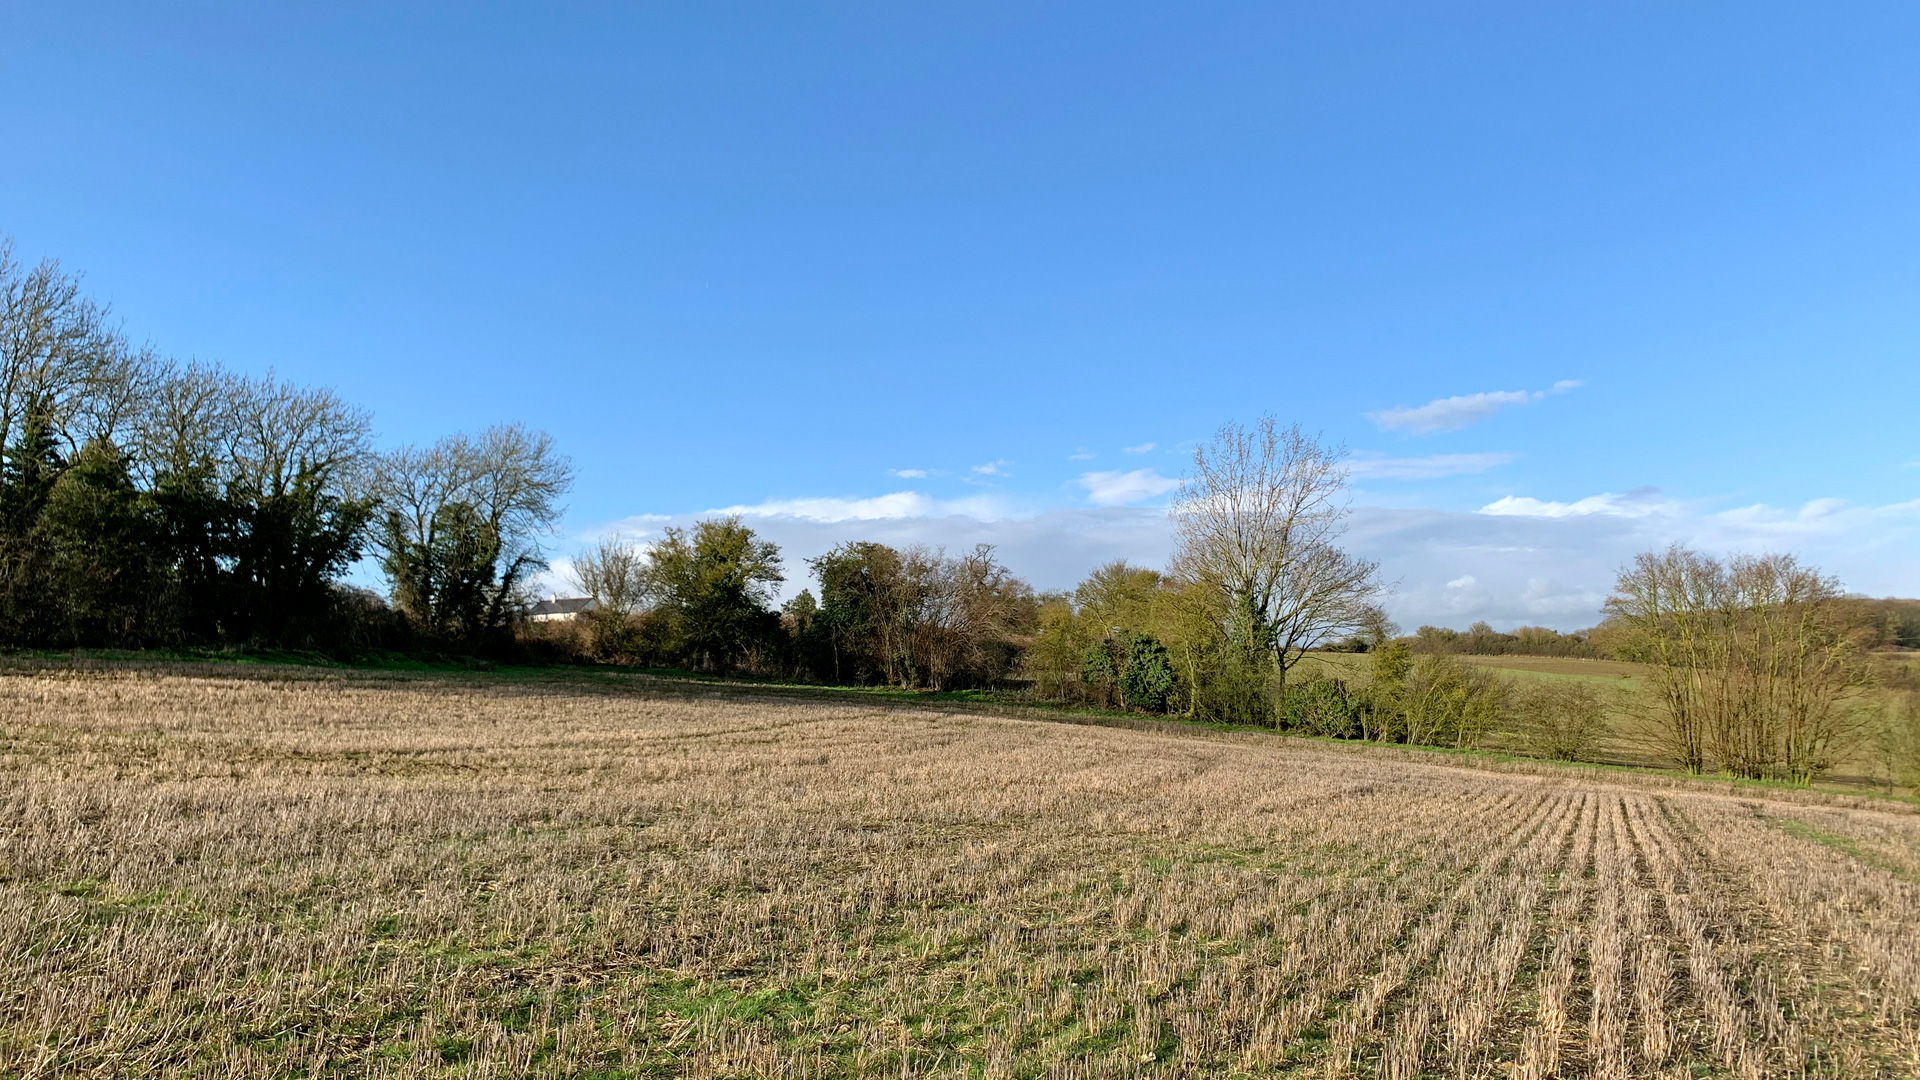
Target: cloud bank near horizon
<point x="1515" y="561"/>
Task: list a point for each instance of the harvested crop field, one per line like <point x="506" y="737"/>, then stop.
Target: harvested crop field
<point x="221" y="872"/>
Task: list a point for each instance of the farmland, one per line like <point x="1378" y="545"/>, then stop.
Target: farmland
<point x="264" y="872"/>
<point x="1631" y="712"/>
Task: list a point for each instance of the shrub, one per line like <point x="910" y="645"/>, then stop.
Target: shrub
<point x="1445" y="702"/>
<point x="1148" y="679"/>
<point x="1321" y="707"/>
<point x="1098" y="672"/>
<point x="1237" y="691"/>
<point x="1561" y="720"/>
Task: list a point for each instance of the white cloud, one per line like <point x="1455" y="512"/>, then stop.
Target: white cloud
<point x="1454" y="413"/>
<point x="1081" y="454"/>
<point x="899" y="504"/>
<point x="632" y="528"/>
<point x="1449" y="567"/>
<point x="992" y="468"/>
<point x="1817" y="518"/>
<point x="1431" y="467"/>
<point x="909" y="474"/>
<point x="1640" y="502"/>
<point x="1143" y="448"/>
<point x="1120" y="488"/>
<point x="1820" y="508"/>
<point x="1053" y="549"/>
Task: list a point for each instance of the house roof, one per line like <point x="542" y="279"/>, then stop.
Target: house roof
<point x="563" y="605"/>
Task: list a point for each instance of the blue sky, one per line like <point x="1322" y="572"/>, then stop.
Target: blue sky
<point x="1568" y="280"/>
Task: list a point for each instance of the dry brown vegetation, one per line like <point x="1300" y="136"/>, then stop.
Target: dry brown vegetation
<point x="281" y="872"/>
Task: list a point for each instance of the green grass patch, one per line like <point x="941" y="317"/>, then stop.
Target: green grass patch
<point x="1847" y="845"/>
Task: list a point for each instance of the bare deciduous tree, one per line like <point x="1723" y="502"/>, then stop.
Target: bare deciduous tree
<point x="60" y="357"/>
<point x="1666" y="607"/>
<point x="464" y="520"/>
<point x="1258" y="521"/>
<point x="1563" y="720"/>
<point x="916" y="616"/>
<point x="973" y="606"/>
<point x="614" y="573"/>
<point x="183" y="425"/>
<point x="1755" y="661"/>
<point x="277" y="433"/>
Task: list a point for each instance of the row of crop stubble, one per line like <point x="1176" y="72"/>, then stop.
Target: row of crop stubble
<point x="212" y="873"/>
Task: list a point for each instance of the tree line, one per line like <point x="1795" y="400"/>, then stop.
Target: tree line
<point x="702" y="598"/>
<point x="1259" y="580"/>
<point x="1257" y="584"/>
<point x="1759" y="666"/>
<point x="1878" y="623"/>
<point x="1481" y="639"/>
<point x="146" y="502"/>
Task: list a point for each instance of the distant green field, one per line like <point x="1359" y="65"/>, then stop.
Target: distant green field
<point x="1620" y="680"/>
<point x="1625" y="685"/>
<point x="1609" y="671"/>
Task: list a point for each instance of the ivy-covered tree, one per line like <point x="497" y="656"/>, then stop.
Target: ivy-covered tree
<point x="1147" y="681"/>
<point x="714" y="583"/>
<point x="462" y="524"/>
<point x="97" y="530"/>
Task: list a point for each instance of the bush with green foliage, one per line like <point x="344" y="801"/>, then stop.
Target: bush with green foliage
<point x="1147" y="680"/>
<point x="1433" y="700"/>
<point x="713" y="586"/>
<point x="1322" y="706"/>
<point x="1100" y="673"/>
<point x="1236" y="689"/>
<point x="1445" y="702"/>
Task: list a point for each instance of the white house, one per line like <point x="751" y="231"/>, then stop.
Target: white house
<point x="558" y="608"/>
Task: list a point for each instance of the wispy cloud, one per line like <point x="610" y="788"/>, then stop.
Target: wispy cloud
<point x="1431" y="467"/>
<point x="1143" y="448"/>
<point x="1082" y="454"/>
<point x="899" y="504"/>
<point x="1120" y="488"/>
<point x="1641" y="502"/>
<point x="992" y="468"/>
<point x="1819" y="517"/>
<point x="1454" y="413"/>
<point x="1553" y="568"/>
<point x="909" y="474"/>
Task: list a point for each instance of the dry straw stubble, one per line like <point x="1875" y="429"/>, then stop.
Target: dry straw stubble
<point x="206" y="872"/>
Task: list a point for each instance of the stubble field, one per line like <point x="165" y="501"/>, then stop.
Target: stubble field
<point x="280" y="872"/>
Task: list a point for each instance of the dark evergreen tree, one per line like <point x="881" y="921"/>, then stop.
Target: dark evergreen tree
<point x="1147" y="680"/>
<point x="98" y="533"/>
<point x="28" y="472"/>
<point x="288" y="549"/>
